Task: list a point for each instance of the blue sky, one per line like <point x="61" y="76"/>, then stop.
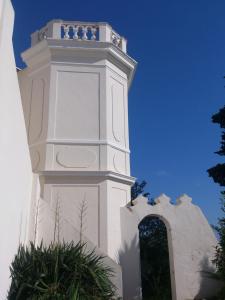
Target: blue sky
<point x="180" y="49"/>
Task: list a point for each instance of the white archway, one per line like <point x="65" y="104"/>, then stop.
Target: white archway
<point x="191" y="247"/>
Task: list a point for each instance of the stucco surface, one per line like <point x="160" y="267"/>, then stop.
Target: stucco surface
<point x="75" y="101"/>
<point x="191" y="247"/>
<point x="16" y="174"/>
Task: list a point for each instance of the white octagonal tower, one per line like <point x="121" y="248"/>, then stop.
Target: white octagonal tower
<point x="75" y="98"/>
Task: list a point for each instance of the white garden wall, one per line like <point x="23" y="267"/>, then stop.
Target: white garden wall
<point x="191" y="244"/>
<point x="16" y="173"/>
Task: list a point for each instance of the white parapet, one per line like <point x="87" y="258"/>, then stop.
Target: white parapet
<point x="83" y="31"/>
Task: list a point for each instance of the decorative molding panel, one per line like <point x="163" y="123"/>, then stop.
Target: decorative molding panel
<point x="118" y="113"/>
<point x="77" y="105"/>
<point x="118" y="197"/>
<point x="71" y="199"/>
<point x="120" y="194"/>
<point x="36" y="110"/>
<point x="119" y="162"/>
<point x="76" y="157"/>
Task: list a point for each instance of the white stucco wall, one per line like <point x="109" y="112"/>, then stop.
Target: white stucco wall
<point x="16" y="174"/>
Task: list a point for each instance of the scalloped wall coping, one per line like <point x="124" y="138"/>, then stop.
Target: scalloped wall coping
<point x="163" y="199"/>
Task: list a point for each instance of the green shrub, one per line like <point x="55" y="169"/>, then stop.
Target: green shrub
<point x="220" y="250"/>
<point x="59" y="271"/>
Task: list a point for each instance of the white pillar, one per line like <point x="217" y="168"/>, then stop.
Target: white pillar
<point x="16" y="172"/>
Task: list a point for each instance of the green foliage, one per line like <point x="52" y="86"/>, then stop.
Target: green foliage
<point x="59" y="271"/>
<point x="138" y="189"/>
<point x="220" y="250"/>
<point x="155" y="269"/>
<point x="218" y="172"/>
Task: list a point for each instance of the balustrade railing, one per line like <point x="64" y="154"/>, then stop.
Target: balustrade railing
<point x="80" y="31"/>
<point x="116" y="39"/>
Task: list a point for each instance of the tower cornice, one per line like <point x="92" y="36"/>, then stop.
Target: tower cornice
<point x="90" y="175"/>
<point x="72" y="51"/>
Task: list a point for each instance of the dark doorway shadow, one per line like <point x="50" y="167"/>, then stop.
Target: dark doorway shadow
<point x="154" y="257"/>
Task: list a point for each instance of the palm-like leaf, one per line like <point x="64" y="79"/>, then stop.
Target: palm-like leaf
<point x="59" y="271"/>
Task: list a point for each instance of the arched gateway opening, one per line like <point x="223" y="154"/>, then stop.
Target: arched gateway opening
<point x="154" y="258"/>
